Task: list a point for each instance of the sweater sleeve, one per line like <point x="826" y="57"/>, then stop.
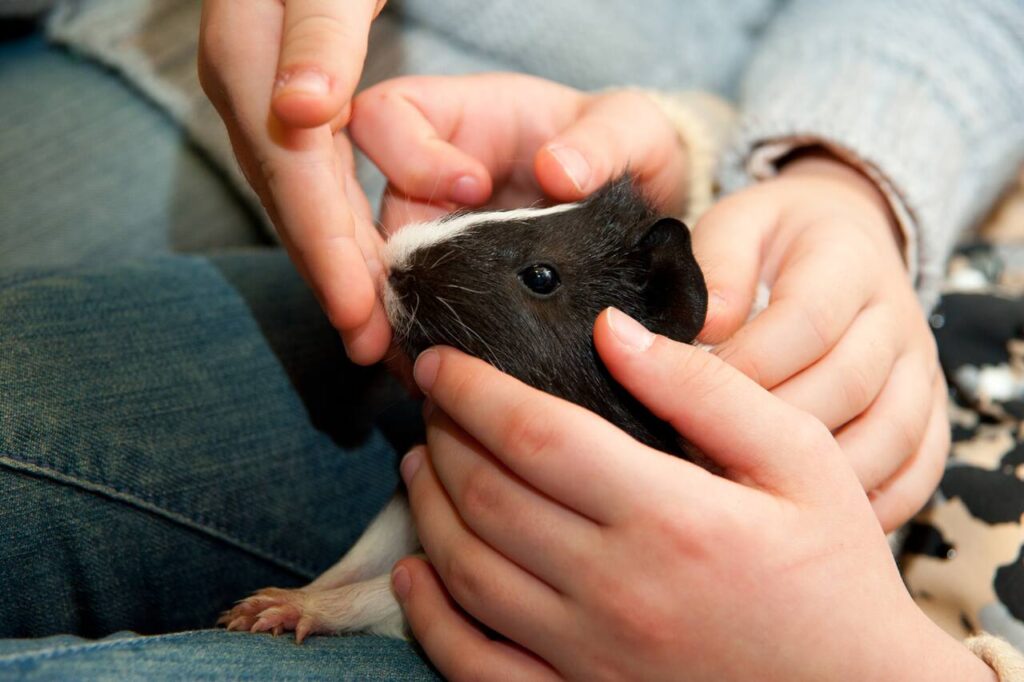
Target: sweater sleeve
<point x="925" y="96"/>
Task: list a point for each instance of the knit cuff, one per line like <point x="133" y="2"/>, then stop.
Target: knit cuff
<point x="998" y="654"/>
<point x="900" y="136"/>
<point x="703" y="123"/>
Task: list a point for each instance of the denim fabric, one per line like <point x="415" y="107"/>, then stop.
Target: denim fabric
<point x="175" y="433"/>
<point x="212" y="655"/>
<point x="90" y="170"/>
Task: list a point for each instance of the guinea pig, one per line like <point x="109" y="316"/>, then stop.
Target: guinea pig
<point x="521" y="289"/>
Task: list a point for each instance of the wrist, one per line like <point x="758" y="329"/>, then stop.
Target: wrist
<point x="821" y="164"/>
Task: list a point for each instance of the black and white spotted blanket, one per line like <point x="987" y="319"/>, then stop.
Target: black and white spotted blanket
<point x="963" y="557"/>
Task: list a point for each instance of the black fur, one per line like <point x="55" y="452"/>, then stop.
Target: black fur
<point x="612" y="251"/>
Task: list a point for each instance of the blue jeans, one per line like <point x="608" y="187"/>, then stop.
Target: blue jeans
<point x="175" y="430"/>
<point x="175" y="433"/>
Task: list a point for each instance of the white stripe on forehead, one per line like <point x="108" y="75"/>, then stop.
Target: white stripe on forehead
<point x="411" y="238"/>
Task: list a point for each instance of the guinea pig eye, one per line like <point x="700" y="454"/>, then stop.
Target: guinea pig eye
<point x="540" y="279"/>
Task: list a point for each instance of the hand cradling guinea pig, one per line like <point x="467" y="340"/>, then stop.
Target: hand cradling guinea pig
<point x="520" y="289"/>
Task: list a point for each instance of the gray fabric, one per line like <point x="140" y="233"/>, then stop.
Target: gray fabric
<point x="24" y="8"/>
<point x="929" y="95"/>
<point x="89" y="171"/>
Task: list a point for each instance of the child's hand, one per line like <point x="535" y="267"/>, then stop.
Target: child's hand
<point x="600" y="558"/>
<point x="281" y="75"/>
<point x="843" y="336"/>
<point x="508" y="140"/>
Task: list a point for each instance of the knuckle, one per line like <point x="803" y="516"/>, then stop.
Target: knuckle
<point x="856" y="388"/>
<point x="464" y="389"/>
<point x="528" y="432"/>
<point x="810" y="433"/>
<point x="312" y="35"/>
<point x="819" y="320"/>
<point x="639" y="617"/>
<point x="744" y="358"/>
<point x="461" y="580"/>
<point x="480" y="495"/>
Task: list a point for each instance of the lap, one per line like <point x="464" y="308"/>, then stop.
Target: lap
<point x="173" y="434"/>
<point x="217" y="655"/>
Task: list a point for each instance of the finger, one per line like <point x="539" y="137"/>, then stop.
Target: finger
<point x="897" y="500"/>
<point x="529" y="528"/>
<point x="306" y="179"/>
<point x="544" y="440"/>
<point x="847" y="380"/>
<point x="487" y="585"/>
<point x="821" y="287"/>
<point x="615" y="133"/>
<point x="298" y="173"/>
<point x="730" y="273"/>
<point x="452" y="640"/>
<point x="369" y="343"/>
<point x="407" y="133"/>
<point x="398" y="210"/>
<point x="879" y="441"/>
<point x="323" y="48"/>
<point x="736" y="423"/>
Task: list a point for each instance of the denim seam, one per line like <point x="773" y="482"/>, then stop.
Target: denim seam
<point x="45" y="654"/>
<point x="196" y="523"/>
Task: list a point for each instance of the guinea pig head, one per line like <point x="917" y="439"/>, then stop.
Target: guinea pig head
<point x="521" y="288"/>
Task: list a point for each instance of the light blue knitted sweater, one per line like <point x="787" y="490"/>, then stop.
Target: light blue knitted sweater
<point x="927" y="94"/>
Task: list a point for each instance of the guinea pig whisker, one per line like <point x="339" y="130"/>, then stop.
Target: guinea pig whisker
<point x="458" y="286"/>
<point x="472" y="334"/>
<point x="442" y="258"/>
<point x="415" y="320"/>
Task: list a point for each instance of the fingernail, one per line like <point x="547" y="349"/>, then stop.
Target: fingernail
<point x="466" y="190"/>
<point x="628" y="331"/>
<point x="425" y="369"/>
<point x="401" y="582"/>
<point x="574" y="165"/>
<point x="411" y="464"/>
<point x="306" y="82"/>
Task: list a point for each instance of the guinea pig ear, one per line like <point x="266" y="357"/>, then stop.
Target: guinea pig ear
<point x="674" y="291"/>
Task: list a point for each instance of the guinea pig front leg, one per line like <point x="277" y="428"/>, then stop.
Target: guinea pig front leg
<point x="353" y="595"/>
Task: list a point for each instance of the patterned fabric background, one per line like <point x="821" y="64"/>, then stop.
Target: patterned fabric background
<point x="963" y="558"/>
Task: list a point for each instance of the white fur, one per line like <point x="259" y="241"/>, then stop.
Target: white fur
<point x="391" y="536"/>
<point x="416" y="236"/>
<point x="354" y="595"/>
<point x="407" y="241"/>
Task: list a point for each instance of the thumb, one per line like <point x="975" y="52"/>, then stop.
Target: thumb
<point x="728" y="245"/>
<point x="323" y="47"/>
<point x="752" y="434"/>
<point x="615" y="133"/>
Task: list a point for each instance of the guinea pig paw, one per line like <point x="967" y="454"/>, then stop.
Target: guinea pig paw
<point x="271" y="609"/>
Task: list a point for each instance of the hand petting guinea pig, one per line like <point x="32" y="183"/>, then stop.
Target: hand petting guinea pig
<point x="843" y="336"/>
<point x="784" y="231"/>
<point x="520" y="289"/>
